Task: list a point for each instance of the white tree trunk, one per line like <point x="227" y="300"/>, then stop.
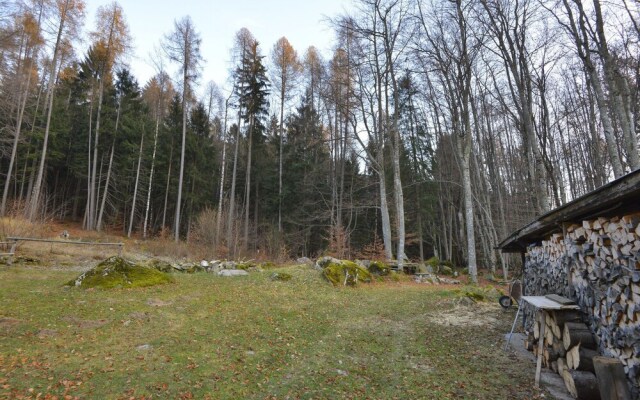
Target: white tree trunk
<point x="135" y="187"/>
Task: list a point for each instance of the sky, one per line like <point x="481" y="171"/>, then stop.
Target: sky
<point x="302" y="22"/>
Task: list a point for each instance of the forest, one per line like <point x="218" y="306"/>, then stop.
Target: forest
<point x="434" y="128"/>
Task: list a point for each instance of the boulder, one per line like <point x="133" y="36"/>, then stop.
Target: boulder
<point x="160" y="265"/>
<point x="343" y="272"/>
<point x="378" y="268"/>
<point x="115" y="272"/>
<point x="324" y="261"/>
<point x="233" y="272"/>
<point x="304" y="261"/>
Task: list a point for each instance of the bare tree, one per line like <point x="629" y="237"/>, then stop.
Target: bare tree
<point x="183" y="46"/>
<point x="286" y="70"/>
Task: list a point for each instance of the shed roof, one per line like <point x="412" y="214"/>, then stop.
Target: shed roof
<point x="615" y="198"/>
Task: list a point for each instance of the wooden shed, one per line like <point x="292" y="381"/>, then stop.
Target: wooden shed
<point x="589" y="250"/>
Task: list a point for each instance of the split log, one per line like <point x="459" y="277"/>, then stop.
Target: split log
<point x="582" y="385"/>
<point x="577" y="333"/>
<point x="562" y="365"/>
<point x="581" y="359"/>
<point x="612" y="380"/>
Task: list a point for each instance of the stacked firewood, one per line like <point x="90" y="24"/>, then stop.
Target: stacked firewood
<point x="568" y="349"/>
<point x="597" y="264"/>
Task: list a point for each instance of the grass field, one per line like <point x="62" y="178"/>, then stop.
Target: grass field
<point x="206" y="336"/>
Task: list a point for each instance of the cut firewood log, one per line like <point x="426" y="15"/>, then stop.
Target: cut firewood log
<point x="582" y="385"/>
<point x="562" y="365"/>
<point x="558" y="347"/>
<point x="612" y="380"/>
<point x="581" y="359"/>
<point x="560" y="317"/>
<point x="577" y="333"/>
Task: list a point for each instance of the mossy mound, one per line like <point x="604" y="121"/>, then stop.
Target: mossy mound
<point x="345" y="273"/>
<point x="116" y="272"/>
<point x="281" y="276"/>
<point x="379" y="268"/>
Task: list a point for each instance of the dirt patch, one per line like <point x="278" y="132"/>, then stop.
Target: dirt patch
<point x="7" y="323"/>
<point x="86" y="323"/>
<point x="463" y="315"/>
<point x="45" y="333"/>
<point x="158" y="303"/>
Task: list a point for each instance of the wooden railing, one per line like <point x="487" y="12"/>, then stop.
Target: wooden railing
<point x="13" y="241"/>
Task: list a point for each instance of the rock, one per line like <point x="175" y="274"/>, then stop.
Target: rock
<point x="344" y="272"/>
<point x="233" y="272"/>
<point x="378" y="268"/>
<point x="204" y="263"/>
<point x="324" y="261"/>
<point x="160" y="265"/>
<point x="144" y="347"/>
<point x="445" y="270"/>
<point x="342" y="372"/>
<point x="280" y="276"/>
<point x="304" y="261"/>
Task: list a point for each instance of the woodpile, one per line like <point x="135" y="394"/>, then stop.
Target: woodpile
<point x="597" y="264"/>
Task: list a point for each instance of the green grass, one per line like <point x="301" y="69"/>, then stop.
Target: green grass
<point x="250" y="337"/>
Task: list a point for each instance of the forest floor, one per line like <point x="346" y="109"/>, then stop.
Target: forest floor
<point x="206" y="336"/>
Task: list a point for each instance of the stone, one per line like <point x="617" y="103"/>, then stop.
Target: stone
<point x="116" y="272"/>
<point x="304" y="261"/>
<point x="144" y="347"/>
<point x="204" y="263"/>
<point x="233" y="272"/>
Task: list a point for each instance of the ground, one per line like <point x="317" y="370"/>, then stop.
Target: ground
<point x="205" y="336"/>
<point x="250" y="338"/>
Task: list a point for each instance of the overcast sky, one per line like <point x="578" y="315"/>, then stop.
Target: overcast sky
<point x="301" y="21"/>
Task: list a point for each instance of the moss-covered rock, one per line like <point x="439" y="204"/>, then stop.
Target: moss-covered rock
<point x="434" y="263"/>
<point x="245" y="265"/>
<point x="115" y="272"/>
<point x="445" y="270"/>
<point x="281" y="276"/>
<point x="345" y="273"/>
<point x="379" y="268"/>
<point x="160" y="265"/>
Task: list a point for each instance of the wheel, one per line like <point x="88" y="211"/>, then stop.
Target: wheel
<point x="505" y="301"/>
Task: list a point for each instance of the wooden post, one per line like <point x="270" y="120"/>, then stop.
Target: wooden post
<point x="12" y="251"/>
<point x="120" y="248"/>
<point x="612" y="380"/>
<point x="543" y="322"/>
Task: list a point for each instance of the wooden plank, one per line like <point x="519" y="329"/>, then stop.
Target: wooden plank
<point x="16" y="239"/>
<point x="544" y="303"/>
<point x="612" y="380"/>
<point x="560" y="299"/>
